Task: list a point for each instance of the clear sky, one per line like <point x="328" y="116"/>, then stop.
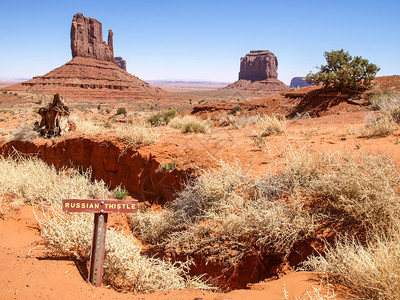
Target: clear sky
<point x="202" y="40"/>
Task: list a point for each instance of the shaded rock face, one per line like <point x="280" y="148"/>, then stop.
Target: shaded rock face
<point x="258" y="65"/>
<point x="120" y="62"/>
<point x="298" y="82"/>
<point x="87" y="39"/>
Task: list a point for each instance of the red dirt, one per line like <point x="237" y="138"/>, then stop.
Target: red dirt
<point x="314" y="100"/>
<point x="40" y="276"/>
<point x="29" y="272"/>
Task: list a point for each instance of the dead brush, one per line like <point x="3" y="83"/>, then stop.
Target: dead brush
<point x="216" y="209"/>
<point x="23" y="133"/>
<point x="380" y="126"/>
<point x="137" y="134"/>
<point x="189" y="124"/>
<point x="370" y="270"/>
<point x="88" y="127"/>
<point x="124" y="267"/>
<point x="33" y="180"/>
<point x="270" y="125"/>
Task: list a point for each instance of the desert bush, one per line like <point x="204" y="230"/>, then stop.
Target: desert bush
<point x="344" y="72"/>
<point x="88" y="127"/>
<point x="370" y="270"/>
<point x="363" y="189"/>
<point x="270" y="125"/>
<point x="216" y="209"/>
<point x="23" y="133"/>
<point x="121" y="111"/>
<point x="152" y="227"/>
<point x="162" y="118"/>
<point x="33" y="180"/>
<point x="124" y="267"/>
<point x="380" y="126"/>
<point x="120" y="193"/>
<point x="388" y="102"/>
<point x="137" y="134"/>
<point x="190" y="124"/>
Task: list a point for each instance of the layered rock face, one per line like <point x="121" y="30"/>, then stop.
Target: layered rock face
<point x="258" y="65"/>
<point x="258" y="75"/>
<point x="92" y="74"/>
<point x="298" y="82"/>
<point x="120" y="63"/>
<point x="87" y="39"/>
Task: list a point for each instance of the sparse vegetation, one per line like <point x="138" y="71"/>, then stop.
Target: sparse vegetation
<point x="35" y="181"/>
<point x="167" y="167"/>
<point x="191" y="124"/>
<point x="137" y="134"/>
<point x="120" y="193"/>
<point x="162" y="118"/>
<point x="380" y="126"/>
<point x="88" y="127"/>
<point x="125" y="268"/>
<point x="121" y="111"/>
<point x="370" y="270"/>
<point x="23" y="133"/>
<point x="270" y="125"/>
<point x="387" y="102"/>
<point x="344" y="72"/>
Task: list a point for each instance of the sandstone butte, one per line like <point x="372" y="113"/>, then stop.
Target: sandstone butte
<point x="259" y="74"/>
<point x="93" y="73"/>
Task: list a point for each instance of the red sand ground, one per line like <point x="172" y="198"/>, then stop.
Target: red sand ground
<point x="28" y="272"/>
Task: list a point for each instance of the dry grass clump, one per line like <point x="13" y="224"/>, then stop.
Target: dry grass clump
<point x="137" y="134"/>
<point x="190" y="124"/>
<point x="270" y="125"/>
<point x="220" y="208"/>
<point x="152" y="227"/>
<point x="388" y="102"/>
<point x="370" y="270"/>
<point x="23" y="133"/>
<point x="124" y="267"/>
<point x="88" y="127"/>
<point x="237" y="121"/>
<point x="33" y="180"/>
<point x="362" y="189"/>
<point x="380" y="126"/>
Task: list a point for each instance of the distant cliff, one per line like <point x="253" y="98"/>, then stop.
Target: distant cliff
<point x="298" y="82"/>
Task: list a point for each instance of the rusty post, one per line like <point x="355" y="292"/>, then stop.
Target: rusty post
<point x="98" y="248"/>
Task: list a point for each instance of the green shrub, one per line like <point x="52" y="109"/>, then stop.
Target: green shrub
<point x="120" y="193"/>
<point x="162" y="118"/>
<point x="344" y="72"/>
<point x="167" y="167"/>
<point x="121" y="111"/>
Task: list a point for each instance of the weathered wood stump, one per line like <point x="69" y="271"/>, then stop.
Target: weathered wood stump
<point x="55" y="119"/>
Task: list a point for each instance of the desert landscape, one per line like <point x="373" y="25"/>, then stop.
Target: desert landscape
<point x="252" y="189"/>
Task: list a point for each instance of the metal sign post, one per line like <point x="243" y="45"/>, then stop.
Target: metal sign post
<point x="100" y="208"/>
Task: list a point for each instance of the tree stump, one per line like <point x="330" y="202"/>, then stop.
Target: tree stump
<point x="55" y="119"/>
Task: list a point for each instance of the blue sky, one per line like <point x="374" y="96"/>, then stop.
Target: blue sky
<point x="202" y="40"/>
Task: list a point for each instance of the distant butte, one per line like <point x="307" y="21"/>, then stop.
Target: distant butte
<point x="93" y="73"/>
<point x="259" y="74"/>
